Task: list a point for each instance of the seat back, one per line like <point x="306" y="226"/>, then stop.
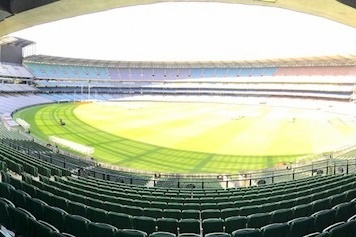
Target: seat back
<point x="167" y="225"/>
<point x="212" y="225"/>
<point x="275" y="230"/>
<point x="189" y="226"/>
<point x="235" y="223"/>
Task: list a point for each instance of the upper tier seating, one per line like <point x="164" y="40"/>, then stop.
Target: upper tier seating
<point x="16" y="88"/>
<point x="51" y="71"/>
<point x="14" y="71"/>
<point x="12" y="102"/>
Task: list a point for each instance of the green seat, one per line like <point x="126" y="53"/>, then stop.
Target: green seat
<point x="302" y="200"/>
<point x="130" y="233"/>
<point x="41" y="228"/>
<point x="158" y="204"/>
<point x="235" y="223"/>
<point x="132" y="210"/>
<point x="172" y="213"/>
<point x="55" y="216"/>
<point x="302" y="210"/>
<point x="208" y="205"/>
<point x="350" y="194"/>
<point x="3" y="167"/>
<point x="75" y="197"/>
<point x="97" y="215"/>
<point x="286" y="204"/>
<point x="30" y="189"/>
<point x="19" y="221"/>
<point x="210" y="213"/>
<point x="229" y="212"/>
<point x="301" y="226"/>
<point x="269" y="207"/>
<point x="120" y="220"/>
<point x="275" y="230"/>
<point x="190" y="214"/>
<point x="336" y="199"/>
<point x="5" y="190"/>
<point x="190" y="206"/>
<point x="258" y="220"/>
<point x="212" y="225"/>
<point x="347" y="229"/>
<point x="4" y="213"/>
<point x="44" y="196"/>
<point x="152" y="212"/>
<point x="189" y="226"/>
<point x="162" y="234"/>
<point x="323" y="219"/>
<point x="60" y="202"/>
<point x="94" y="202"/>
<point x="76" y="208"/>
<point x="5" y="177"/>
<point x="19" y="198"/>
<point x="281" y="215"/>
<point x="248" y="210"/>
<point x="223" y="205"/>
<point x="207" y="200"/>
<point x="167" y="225"/>
<point x="258" y="201"/>
<point x="77" y="225"/>
<point x="175" y="205"/>
<point x="218" y="234"/>
<point x="189" y="235"/>
<point x="111" y="206"/>
<point x="320" y="204"/>
<point x="36" y="207"/>
<point x="247" y="232"/>
<point x="17" y="183"/>
<point x="101" y="230"/>
<point x="344" y="211"/>
<point x="144" y="223"/>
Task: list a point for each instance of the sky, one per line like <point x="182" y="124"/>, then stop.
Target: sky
<point x="189" y="31"/>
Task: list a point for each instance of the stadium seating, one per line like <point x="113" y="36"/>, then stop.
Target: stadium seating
<point x="48" y="194"/>
<point x="63" y="216"/>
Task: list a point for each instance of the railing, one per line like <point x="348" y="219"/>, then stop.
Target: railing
<point x="327" y="166"/>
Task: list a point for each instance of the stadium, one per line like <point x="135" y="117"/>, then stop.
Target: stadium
<point x="246" y="147"/>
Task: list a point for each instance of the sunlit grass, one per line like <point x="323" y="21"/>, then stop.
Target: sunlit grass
<point x="191" y="137"/>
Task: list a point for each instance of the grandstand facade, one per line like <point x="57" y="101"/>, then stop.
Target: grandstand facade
<point x="315" y="78"/>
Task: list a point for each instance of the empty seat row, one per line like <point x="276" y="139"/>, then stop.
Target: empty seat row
<point x="293" y="184"/>
<point x="33" y="165"/>
<point x="340" y="212"/>
<point x="156" y="209"/>
<point x="23" y="222"/>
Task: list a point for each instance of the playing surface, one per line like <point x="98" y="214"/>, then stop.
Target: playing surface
<point x="192" y="137"/>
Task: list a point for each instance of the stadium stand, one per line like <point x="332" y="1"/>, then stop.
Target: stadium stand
<point x="69" y="201"/>
<point x="45" y="193"/>
<point x="76" y="76"/>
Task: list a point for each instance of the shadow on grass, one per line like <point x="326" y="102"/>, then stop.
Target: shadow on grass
<point x="129" y="153"/>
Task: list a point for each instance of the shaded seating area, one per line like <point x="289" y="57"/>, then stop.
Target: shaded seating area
<point x="85" y="206"/>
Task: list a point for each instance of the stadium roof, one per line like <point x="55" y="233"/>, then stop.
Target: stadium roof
<point x="310" y="61"/>
<point x="62" y="9"/>
<point x="15" y="41"/>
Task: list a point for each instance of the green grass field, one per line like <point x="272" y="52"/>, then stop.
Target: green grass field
<point x="192" y="137"/>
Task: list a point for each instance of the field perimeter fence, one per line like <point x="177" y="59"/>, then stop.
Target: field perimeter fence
<point x="314" y="165"/>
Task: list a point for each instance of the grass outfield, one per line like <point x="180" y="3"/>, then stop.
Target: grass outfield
<point x="192" y="137"/>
